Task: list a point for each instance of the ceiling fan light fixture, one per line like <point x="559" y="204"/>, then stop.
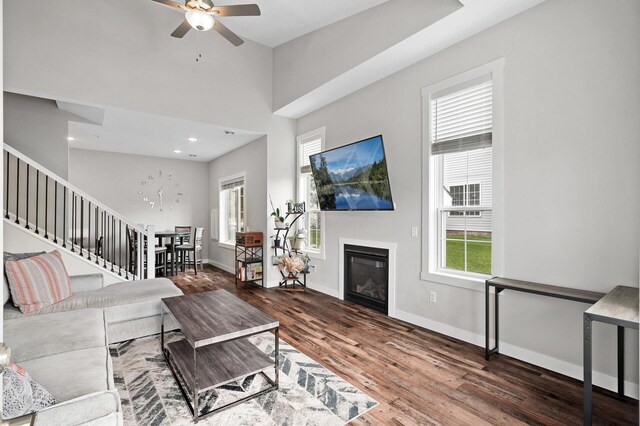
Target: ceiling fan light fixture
<point x="199" y="20"/>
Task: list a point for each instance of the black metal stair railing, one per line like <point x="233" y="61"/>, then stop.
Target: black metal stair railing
<point x="67" y="217"/>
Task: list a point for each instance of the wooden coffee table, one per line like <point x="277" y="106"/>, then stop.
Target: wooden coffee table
<point x="216" y="349"/>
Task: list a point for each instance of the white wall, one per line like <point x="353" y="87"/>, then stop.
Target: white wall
<point x="115" y="179"/>
<point x="38" y="129"/>
<point x="572" y="102"/>
<point x="311" y="60"/>
<point x="248" y="159"/>
<point x="119" y="53"/>
<point x="19" y="240"/>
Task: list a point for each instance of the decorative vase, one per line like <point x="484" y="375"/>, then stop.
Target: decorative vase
<point x="278" y="224"/>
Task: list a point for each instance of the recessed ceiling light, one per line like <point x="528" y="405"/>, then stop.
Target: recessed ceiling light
<point x="192" y="139"/>
<point x="71" y="138"/>
<point x="177" y="151"/>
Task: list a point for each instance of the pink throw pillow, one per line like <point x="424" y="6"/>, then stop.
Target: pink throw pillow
<point x="38" y="281"/>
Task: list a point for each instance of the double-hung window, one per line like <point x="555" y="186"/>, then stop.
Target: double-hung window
<point x="313" y="221"/>
<point x="232" y="208"/>
<point x="460" y="159"/>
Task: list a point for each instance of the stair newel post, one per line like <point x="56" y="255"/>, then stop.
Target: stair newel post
<point x="26" y="226"/>
<point x="81" y="226"/>
<point x="140" y="252"/>
<point x="97" y="238"/>
<point x="17" y="190"/>
<point x="113" y="242"/>
<point x="126" y="252"/>
<point x="104" y="240"/>
<point x="73" y="221"/>
<point x="89" y="231"/>
<point x="64" y="217"/>
<point x="38" y="202"/>
<point x="119" y="247"/>
<point x="6" y="191"/>
<point x="55" y="213"/>
<point x="151" y="251"/>
<point x="46" y="206"/>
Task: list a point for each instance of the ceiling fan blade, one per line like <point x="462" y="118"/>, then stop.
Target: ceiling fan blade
<point x="228" y="34"/>
<point x="236" y="10"/>
<point x="170" y="3"/>
<point x="182" y="29"/>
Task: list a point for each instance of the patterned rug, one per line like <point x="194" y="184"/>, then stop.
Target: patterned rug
<point x="309" y="394"/>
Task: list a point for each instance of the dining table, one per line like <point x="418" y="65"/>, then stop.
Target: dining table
<point x="173" y="236"/>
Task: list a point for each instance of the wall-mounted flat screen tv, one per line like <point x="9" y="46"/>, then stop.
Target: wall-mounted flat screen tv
<point x="353" y="177"/>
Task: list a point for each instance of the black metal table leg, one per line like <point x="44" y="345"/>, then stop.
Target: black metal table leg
<point x="620" y="360"/>
<point x="587" y="369"/>
<point x="486" y="321"/>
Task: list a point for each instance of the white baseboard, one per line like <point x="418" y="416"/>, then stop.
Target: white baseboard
<point x="554" y="364"/>
<point x="333" y="292"/>
<point x="222" y="266"/>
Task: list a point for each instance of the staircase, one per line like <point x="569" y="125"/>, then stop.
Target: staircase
<point x="51" y="208"/>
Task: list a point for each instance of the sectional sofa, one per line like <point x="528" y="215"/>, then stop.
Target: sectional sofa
<point x="64" y="347"/>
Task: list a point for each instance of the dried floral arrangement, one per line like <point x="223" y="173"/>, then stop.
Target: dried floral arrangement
<point x="293" y="264"/>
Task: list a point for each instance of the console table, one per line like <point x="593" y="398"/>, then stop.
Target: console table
<point x="620" y="308"/>
<point x="500" y="284"/>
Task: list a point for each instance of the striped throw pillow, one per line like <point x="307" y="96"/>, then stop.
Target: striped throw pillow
<point x="38" y="281"/>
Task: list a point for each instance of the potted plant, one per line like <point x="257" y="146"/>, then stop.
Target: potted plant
<point x="276" y="240"/>
<point x="296" y="241"/>
<point x="307" y="262"/>
<point x="278" y="219"/>
<point x="293" y="207"/>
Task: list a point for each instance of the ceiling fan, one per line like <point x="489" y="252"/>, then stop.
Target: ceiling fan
<point x="199" y="15"/>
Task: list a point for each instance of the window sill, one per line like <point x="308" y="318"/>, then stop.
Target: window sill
<point x="228" y="246"/>
<point x="475" y="283"/>
<point x="319" y="255"/>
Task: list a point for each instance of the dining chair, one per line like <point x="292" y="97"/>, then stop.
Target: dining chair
<point x="195" y="247"/>
<point x="183" y="240"/>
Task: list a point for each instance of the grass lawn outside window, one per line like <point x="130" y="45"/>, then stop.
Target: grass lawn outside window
<point x="478" y="253"/>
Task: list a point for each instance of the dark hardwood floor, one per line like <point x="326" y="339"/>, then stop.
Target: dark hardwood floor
<point x="418" y="376"/>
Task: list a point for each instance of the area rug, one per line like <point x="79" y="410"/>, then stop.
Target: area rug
<point x="309" y="394"/>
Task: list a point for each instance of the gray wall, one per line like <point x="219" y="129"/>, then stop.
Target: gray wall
<point x="114" y="179"/>
<point x="120" y="53"/>
<point x="38" y="129"/>
<point x="313" y="59"/>
<point x="572" y="102"/>
<point x="250" y="159"/>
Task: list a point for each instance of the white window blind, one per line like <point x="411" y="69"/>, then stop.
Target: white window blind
<point x="462" y="120"/>
<point x="230" y="184"/>
<point x="308" y="148"/>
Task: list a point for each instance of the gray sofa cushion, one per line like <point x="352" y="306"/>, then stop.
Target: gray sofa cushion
<point x="116" y="295"/>
<point x="42" y="335"/>
<point x="73" y="374"/>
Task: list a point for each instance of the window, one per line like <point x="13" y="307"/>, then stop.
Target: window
<point x="464" y="195"/>
<point x="232" y="208"/>
<point x="313" y="221"/>
<point x="460" y="162"/>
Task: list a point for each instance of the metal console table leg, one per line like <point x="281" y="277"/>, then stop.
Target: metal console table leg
<point x="488" y="351"/>
<point x="587" y="368"/>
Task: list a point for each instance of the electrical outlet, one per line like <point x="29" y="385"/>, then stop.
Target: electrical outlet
<point x="432" y="297"/>
<point x="414" y="231"/>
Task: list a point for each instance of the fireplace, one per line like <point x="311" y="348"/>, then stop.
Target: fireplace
<point x="366" y="276"/>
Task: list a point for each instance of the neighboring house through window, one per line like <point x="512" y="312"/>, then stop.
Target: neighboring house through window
<point x="313" y="221"/>
<point x="232" y="208"/>
<point x="460" y="154"/>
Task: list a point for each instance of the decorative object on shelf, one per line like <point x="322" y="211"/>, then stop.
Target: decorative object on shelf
<point x="293" y="207"/>
<point x="164" y="189"/>
<point x="292" y="263"/>
<point x="307" y="262"/>
<point x="276" y="241"/>
<point x="248" y="257"/>
<point x="296" y="241"/>
<point x="287" y="254"/>
<point x="278" y="219"/>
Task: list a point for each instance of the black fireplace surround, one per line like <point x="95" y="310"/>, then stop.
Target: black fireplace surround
<point x="366" y="277"/>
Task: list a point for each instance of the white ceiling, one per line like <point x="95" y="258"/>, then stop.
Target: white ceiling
<point x="284" y="20"/>
<point x="157" y="136"/>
